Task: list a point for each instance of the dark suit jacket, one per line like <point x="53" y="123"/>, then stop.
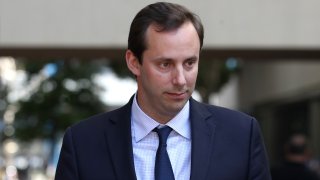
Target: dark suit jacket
<point x="226" y="145"/>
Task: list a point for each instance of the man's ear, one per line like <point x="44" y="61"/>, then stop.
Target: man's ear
<point x="132" y="63"/>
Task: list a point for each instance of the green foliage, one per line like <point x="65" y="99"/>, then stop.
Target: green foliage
<point x="212" y="75"/>
<point x="119" y="66"/>
<point x="54" y="106"/>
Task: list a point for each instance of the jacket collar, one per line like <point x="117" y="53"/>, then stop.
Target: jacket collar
<point x="118" y="137"/>
<point x="202" y="134"/>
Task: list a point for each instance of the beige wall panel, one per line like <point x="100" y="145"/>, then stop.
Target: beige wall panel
<point x="228" y="23"/>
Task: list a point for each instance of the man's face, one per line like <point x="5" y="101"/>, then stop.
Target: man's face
<point x="167" y="76"/>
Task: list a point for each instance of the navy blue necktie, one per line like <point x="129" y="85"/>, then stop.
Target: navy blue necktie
<point x="163" y="169"/>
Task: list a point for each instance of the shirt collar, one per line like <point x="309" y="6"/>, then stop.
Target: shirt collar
<point x="142" y="124"/>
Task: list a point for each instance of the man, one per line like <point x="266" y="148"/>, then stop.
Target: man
<point x="202" y="141"/>
<point x="296" y="157"/>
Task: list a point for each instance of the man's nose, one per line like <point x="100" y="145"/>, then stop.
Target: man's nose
<point x="179" y="76"/>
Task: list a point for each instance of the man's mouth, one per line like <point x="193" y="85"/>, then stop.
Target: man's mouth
<point x="177" y="95"/>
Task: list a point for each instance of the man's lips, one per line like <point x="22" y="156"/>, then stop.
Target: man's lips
<point x="177" y="95"/>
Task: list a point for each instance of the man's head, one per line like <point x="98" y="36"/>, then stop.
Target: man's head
<point x="166" y="17"/>
<point x="163" y="54"/>
<point x="296" y="149"/>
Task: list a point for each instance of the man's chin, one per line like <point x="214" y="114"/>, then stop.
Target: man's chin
<point x="177" y="105"/>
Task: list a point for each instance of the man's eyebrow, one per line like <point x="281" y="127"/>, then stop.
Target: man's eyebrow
<point x="163" y="58"/>
<point x="193" y="57"/>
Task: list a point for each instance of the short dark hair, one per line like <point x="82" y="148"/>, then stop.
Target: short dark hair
<point x="166" y="16"/>
<point x="297" y="144"/>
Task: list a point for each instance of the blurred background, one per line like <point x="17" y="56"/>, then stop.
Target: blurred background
<point x="63" y="61"/>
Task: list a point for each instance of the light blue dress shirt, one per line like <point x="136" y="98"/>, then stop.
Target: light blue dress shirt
<point x="145" y="143"/>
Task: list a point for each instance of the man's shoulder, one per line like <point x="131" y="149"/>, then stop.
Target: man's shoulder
<point x="227" y="122"/>
<point x="101" y="121"/>
<point x="224" y="117"/>
<point x="221" y="111"/>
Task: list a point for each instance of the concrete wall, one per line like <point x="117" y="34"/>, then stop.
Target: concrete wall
<point x="246" y="23"/>
<point x="266" y="81"/>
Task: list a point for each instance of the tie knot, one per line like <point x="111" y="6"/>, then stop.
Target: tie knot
<point x="163" y="134"/>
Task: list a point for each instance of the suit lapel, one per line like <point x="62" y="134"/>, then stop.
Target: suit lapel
<point x="118" y="137"/>
<point x="202" y="133"/>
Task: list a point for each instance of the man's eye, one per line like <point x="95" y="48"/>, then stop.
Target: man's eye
<point x="190" y="63"/>
<point x="164" y="65"/>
